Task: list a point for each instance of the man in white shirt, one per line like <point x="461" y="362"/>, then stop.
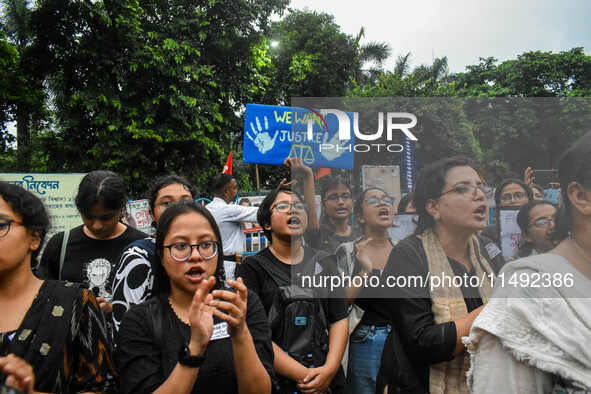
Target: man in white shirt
<point x="229" y="216"/>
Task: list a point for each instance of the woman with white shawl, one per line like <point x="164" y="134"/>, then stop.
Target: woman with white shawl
<point x="534" y="335"/>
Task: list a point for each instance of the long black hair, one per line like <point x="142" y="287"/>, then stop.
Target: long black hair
<point x="162" y="280"/>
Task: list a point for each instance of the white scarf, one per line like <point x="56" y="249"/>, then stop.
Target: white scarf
<point x="548" y="328"/>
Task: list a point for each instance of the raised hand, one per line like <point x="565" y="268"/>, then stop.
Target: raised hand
<point x="527" y="176"/>
<point x="297" y="166"/>
<point x="201" y="317"/>
<point x="231" y="307"/>
<point x="363" y="258"/>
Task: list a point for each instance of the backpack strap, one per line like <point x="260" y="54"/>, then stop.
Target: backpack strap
<point x="63" y="252"/>
<point x="156" y="312"/>
<point x="276" y="273"/>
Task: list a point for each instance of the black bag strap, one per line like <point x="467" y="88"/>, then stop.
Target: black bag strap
<point x="276" y="273"/>
<point x="156" y="312"/>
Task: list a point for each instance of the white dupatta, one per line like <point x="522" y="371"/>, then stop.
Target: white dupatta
<point x="547" y="328"/>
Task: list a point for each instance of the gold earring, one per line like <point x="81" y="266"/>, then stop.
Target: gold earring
<point x="586" y="210"/>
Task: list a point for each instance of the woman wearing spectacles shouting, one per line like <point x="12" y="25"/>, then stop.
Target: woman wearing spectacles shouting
<point x="308" y="346"/>
<point x="456" y="270"/>
<point x="536" y="221"/>
<point x="194" y="336"/>
<point x="366" y="258"/>
<point x="336" y="203"/>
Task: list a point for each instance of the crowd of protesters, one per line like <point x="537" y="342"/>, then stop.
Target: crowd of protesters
<point x="108" y="308"/>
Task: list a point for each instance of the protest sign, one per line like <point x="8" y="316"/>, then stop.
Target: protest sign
<point x="386" y="178"/>
<point x="404" y="225"/>
<point x="510" y="232"/>
<point x="273" y="133"/>
<point x="57" y="191"/>
<point x="137" y="214"/>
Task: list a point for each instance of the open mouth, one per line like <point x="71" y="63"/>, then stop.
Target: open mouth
<point x="195" y="273"/>
<point x="384" y="213"/>
<point x="481" y="211"/>
<point x="293" y="221"/>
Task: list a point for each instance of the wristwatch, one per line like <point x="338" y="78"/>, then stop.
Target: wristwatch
<point x="185" y="358"/>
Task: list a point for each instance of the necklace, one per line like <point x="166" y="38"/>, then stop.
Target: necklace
<point x="580" y="249"/>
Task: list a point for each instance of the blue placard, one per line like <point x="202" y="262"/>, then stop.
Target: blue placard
<point x="273" y="133"/>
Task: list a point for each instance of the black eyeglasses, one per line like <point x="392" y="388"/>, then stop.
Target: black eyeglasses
<point x="284" y="207"/>
<point x="335" y="197"/>
<point x="542" y="222"/>
<point x="517" y="196"/>
<point x="5" y="226"/>
<point x="374" y="201"/>
<point x="468" y="191"/>
<point x="181" y="251"/>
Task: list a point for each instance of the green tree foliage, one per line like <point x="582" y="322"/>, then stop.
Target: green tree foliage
<point x="151" y="87"/>
<point x="517" y="133"/>
<point x="24" y="95"/>
<point x="312" y="57"/>
<point x="8" y="94"/>
<point x="532" y="74"/>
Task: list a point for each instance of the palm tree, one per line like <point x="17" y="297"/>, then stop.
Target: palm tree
<point x="402" y="65"/>
<point x="374" y="53"/>
<point x="15" y="20"/>
<point x="437" y="72"/>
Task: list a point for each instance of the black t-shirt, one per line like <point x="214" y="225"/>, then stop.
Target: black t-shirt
<point x="88" y="261"/>
<point x="257" y="279"/>
<point x="334" y="303"/>
<point x="144" y="364"/>
<point x="326" y="239"/>
<point x="371" y="301"/>
<point x="426" y="343"/>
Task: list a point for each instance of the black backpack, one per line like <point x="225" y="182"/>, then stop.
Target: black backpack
<point x="296" y="317"/>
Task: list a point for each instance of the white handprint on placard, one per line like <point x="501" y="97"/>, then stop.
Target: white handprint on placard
<point x="337" y="150"/>
<point x="262" y="140"/>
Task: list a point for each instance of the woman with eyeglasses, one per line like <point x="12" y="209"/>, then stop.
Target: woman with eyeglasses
<point x="52" y="334"/>
<point x="194" y="337"/>
<point x="336" y="201"/>
<point x="438" y="280"/>
<point x="134" y="273"/>
<point x="363" y="260"/>
<point x="533" y="335"/>
<point x="536" y="221"/>
<point x="308" y="362"/>
<point x="510" y="193"/>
